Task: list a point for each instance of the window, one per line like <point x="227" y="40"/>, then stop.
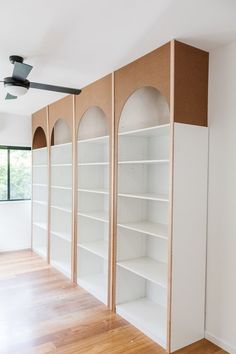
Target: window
<point x="15" y="173"/>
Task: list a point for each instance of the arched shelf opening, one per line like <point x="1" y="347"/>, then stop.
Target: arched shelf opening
<point x="40" y="193"/>
<point x="145" y="107"/>
<point x="61" y="197"/>
<point x="93" y="203"/>
<point x="142" y="212"/>
<point x="61" y="133"/>
<point x="39" y="139"/>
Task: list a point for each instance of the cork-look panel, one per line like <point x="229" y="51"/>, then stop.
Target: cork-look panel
<point x="151" y="70"/>
<point x="39" y="129"/>
<point x="62" y="109"/>
<point x="190" y="84"/>
<point x="97" y="94"/>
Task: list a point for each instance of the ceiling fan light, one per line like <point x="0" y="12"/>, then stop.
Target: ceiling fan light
<point x="16" y="87"/>
<point x="16" y="90"/>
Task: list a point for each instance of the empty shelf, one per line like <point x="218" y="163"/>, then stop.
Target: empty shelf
<point x="61" y="187"/>
<point x="95" y="191"/>
<point x="63" y="267"/>
<point x="96" y="284"/>
<point x="67" y="210"/>
<point x="150" y="131"/>
<point x="40" y="251"/>
<point x="147" y="316"/>
<point x="40" y="184"/>
<point x="42" y="225"/>
<point x="100" y="248"/>
<point x="146" y="196"/>
<point x="147" y="227"/>
<point x="62" y="235"/>
<point x="40" y="202"/>
<point x="93" y="163"/>
<point x="147" y="268"/>
<point x="61" y="165"/>
<point x="144" y="162"/>
<point x="96" y="215"/>
<point x="40" y="165"/>
<point x="100" y="139"/>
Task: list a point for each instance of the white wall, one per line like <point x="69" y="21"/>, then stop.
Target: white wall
<point x="15" y="217"/>
<point x="221" y="278"/>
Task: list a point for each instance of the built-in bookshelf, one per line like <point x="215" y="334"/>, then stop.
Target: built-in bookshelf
<point x="128" y="191"/>
<point x="142" y="225"/>
<point x="93" y="204"/>
<point x="61" y="200"/>
<point x="40" y="201"/>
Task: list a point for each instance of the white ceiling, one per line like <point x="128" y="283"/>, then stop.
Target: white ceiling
<point x="74" y="42"/>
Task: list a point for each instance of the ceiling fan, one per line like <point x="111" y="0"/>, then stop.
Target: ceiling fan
<point x="18" y="85"/>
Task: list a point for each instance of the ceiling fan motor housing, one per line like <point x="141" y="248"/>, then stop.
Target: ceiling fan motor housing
<point x="16" y="58"/>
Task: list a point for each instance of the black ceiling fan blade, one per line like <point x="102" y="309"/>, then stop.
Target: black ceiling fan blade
<point x="21" y="71"/>
<point x="61" y="89"/>
<point x="10" y="97"/>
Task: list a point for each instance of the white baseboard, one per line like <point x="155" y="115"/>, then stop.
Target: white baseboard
<point x="222" y="344"/>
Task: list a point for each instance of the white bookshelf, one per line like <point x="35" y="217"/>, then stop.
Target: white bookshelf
<point x="61" y="201"/>
<point x="142" y="214"/>
<point x="93" y="204"/>
<point x="40" y="201"/>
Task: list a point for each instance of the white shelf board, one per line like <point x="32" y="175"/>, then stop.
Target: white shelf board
<point x="39" y="149"/>
<point x="96" y="284"/>
<point x="146" y="196"/>
<point x="93" y="163"/>
<point x="40" y="251"/>
<point x="62" y="267"/>
<point x="42" y="225"/>
<point x="156" y="130"/>
<point x="61" y="187"/>
<point x="143" y="162"/>
<point x="40" y="184"/>
<point x="61" y="165"/>
<point x="40" y="202"/>
<point x="147" y="316"/>
<point x="95" y="191"/>
<point x="98" y="139"/>
<point x="147" y="268"/>
<point x="148" y="228"/>
<point x="100" y="248"/>
<point x="66" y="210"/>
<point x="96" y="215"/>
<point x="60" y="145"/>
<point x="40" y="165"/>
<point x="62" y="235"/>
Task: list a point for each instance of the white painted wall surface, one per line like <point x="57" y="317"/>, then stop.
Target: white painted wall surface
<point x="15" y="217"/>
<point x="221" y="277"/>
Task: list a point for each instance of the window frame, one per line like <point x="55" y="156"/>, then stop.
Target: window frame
<point x="8" y="148"/>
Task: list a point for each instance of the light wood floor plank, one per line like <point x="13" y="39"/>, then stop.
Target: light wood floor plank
<point x="41" y="312"/>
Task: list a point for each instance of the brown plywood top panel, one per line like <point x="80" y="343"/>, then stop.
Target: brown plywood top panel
<point x="190" y="84"/>
<point x="97" y="94"/>
<point x="62" y="109"/>
<point x="39" y="120"/>
<point x="153" y="70"/>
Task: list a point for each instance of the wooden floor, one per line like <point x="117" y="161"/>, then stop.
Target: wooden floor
<point x="41" y="312"/>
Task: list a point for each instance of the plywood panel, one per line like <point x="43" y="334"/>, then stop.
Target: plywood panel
<point x="190" y="84"/>
<point x="97" y="94"/>
<point x="62" y="109"/>
<point x="39" y="120"/>
<point x="152" y="70"/>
